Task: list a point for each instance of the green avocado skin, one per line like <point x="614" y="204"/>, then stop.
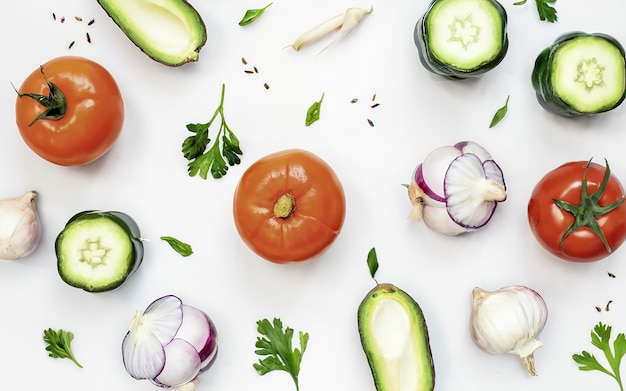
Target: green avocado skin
<point x="432" y="64"/>
<point x="116" y="10"/>
<point x="383" y="380"/>
<point x="542" y="75"/>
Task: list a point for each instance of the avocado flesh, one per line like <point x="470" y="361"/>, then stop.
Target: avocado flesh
<point x="169" y="31"/>
<point x="395" y="340"/>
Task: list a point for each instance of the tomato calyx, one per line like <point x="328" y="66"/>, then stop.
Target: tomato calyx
<point x="55" y="103"/>
<point x="284" y="206"/>
<point x="586" y="213"/>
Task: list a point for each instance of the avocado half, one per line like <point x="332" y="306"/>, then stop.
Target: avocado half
<point x="395" y="339"/>
<point x="171" y="32"/>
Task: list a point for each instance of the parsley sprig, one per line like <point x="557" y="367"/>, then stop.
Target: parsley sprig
<point x="600" y="338"/>
<point x="225" y="148"/>
<point x="60" y="344"/>
<point x="545" y="9"/>
<point x="276" y="346"/>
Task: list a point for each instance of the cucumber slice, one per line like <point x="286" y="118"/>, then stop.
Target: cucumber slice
<point x="581" y="74"/>
<point x="98" y="250"/>
<point x="462" y="38"/>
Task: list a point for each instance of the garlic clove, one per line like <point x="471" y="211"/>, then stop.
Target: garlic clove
<point x="509" y="320"/>
<point x="20" y="227"/>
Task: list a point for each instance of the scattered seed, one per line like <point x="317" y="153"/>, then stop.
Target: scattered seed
<point x="255" y="70"/>
<point x="54" y="16"/>
<point x="375" y="105"/>
<point x="71" y="44"/>
<point x="374" y="97"/>
<point x="88" y="37"/>
<point x="267" y="86"/>
<point x="598" y="309"/>
<point x="62" y="19"/>
<point x="369" y="121"/>
<point x="78" y="18"/>
<point x="244" y="61"/>
<point x="354" y="100"/>
<point x="611" y="275"/>
<point x="92" y="21"/>
<point x="248" y="71"/>
<point x="607" y="305"/>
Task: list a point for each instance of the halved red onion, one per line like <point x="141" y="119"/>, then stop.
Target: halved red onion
<point x="431" y="172"/>
<point x="169" y="343"/>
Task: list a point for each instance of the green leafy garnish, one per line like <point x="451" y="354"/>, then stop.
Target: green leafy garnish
<point x="497" y="117"/>
<point x="600" y="338"/>
<point x="252" y="14"/>
<point x="546" y="11"/>
<point x="225" y="148"/>
<point x="59" y="344"/>
<point x="276" y="347"/>
<point x="372" y="262"/>
<point x="313" y="113"/>
<point x="182" y="248"/>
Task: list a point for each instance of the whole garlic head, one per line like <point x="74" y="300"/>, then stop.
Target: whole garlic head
<point x="20" y="227"/>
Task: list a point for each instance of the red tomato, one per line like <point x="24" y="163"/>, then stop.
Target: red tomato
<point x="289" y="206"/>
<point x="599" y="213"/>
<point x="70" y="111"/>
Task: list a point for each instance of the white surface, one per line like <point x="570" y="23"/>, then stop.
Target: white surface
<point x="145" y="176"/>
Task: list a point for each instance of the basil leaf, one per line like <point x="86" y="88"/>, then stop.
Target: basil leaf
<point x="252" y="14"/>
<point x="180" y="247"/>
<point x="372" y="262"/>
<point x="497" y="117"/>
<point x="313" y="113"/>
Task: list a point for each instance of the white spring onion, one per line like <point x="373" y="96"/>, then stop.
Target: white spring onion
<point x="456" y="188"/>
<point x="509" y="320"/>
<point x="170" y="344"/>
<point x="344" y="22"/>
<point x="20" y="227"/>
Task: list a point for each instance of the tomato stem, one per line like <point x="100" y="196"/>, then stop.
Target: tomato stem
<point x="586" y="213"/>
<point x="55" y="103"/>
<point x="284" y="206"/>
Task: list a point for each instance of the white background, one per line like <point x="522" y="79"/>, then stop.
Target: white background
<point x="145" y="176"/>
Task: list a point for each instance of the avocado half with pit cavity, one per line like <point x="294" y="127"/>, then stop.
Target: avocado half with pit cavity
<point x="395" y="339"/>
<point x="171" y="32"/>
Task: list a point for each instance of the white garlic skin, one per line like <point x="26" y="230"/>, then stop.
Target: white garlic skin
<point x="20" y="226"/>
<point x="508" y="320"/>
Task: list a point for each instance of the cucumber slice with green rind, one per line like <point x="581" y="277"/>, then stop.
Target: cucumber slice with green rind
<point x="462" y="38"/>
<point x="580" y="74"/>
<point x="98" y="250"/>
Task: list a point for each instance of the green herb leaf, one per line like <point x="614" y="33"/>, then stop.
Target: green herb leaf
<point x="497" y="117"/>
<point x="225" y="148"/>
<point x="546" y="11"/>
<point x="372" y="262"/>
<point x="522" y="2"/>
<point x="59" y="344"/>
<point x="182" y="248"/>
<point x="313" y="113"/>
<point x="276" y="348"/>
<point x="600" y="338"/>
<point x="252" y="15"/>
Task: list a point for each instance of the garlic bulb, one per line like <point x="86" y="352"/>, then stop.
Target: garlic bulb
<point x="509" y="320"/>
<point x="20" y="228"/>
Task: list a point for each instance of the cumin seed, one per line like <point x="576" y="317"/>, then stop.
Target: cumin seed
<point x="598" y="309"/>
<point x="62" y="19"/>
<point x="611" y="275"/>
<point x="607" y="305"/>
<point x="374" y="97"/>
<point x="267" y="86"/>
<point x="71" y="44"/>
<point x="244" y="61"/>
<point x="248" y="71"/>
<point x="375" y="105"/>
<point x="354" y="100"/>
<point x="88" y="37"/>
<point x="78" y="18"/>
<point x="369" y="121"/>
<point x="92" y="21"/>
<point x="255" y="70"/>
<point x="54" y="16"/>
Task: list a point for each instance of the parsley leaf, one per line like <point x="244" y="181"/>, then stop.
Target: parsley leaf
<point x="182" y="248"/>
<point x="313" y="113"/>
<point x="59" y="344"/>
<point x="600" y="337"/>
<point x="252" y="14"/>
<point x="276" y="346"/>
<point x="546" y="11"/>
<point x="500" y="113"/>
<point x="226" y="145"/>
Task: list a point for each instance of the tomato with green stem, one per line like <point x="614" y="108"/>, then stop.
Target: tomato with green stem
<point x="577" y="211"/>
<point x="70" y="111"/>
